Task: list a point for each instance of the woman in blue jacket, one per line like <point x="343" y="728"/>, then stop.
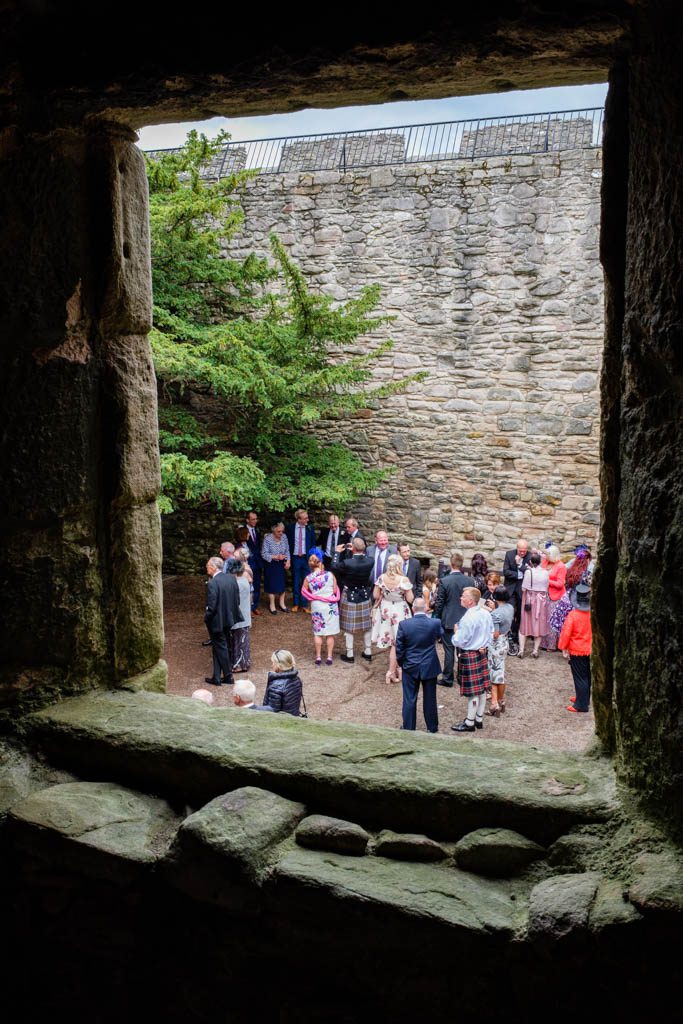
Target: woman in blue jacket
<point x="284" y="687"/>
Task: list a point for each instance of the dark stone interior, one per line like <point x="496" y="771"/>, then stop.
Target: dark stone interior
<point x="81" y="554"/>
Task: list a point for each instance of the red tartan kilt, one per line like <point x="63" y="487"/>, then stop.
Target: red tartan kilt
<point x="473" y="673"/>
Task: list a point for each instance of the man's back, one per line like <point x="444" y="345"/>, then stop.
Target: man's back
<point x="447" y="606"/>
<point x="223" y="602"/>
<point x="416" y="646"/>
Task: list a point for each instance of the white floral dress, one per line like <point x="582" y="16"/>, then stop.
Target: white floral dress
<point x="324" y="614"/>
<point x="391" y="611"/>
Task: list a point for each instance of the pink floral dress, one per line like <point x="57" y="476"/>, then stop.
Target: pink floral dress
<point x="392" y="610"/>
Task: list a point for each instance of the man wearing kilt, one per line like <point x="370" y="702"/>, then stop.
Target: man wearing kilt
<point x="355" y="607"/>
<point x="472" y="637"/>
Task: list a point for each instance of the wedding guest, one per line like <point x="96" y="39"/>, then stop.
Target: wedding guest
<point x="244" y="696"/>
<point x="579" y="570"/>
<point x="241" y="631"/>
<point x="534" y="621"/>
<point x="393" y="596"/>
<point x="321" y="589"/>
<point x="411" y="566"/>
<point x="255" y="560"/>
<point x="275" y="556"/>
<point x="472" y="637"/>
<point x="501" y="619"/>
<point x="478" y="571"/>
<point x="557" y="572"/>
<point x="575" y="643"/>
<point x="491" y="583"/>
<point x="284" y="689"/>
<point x="301" y="537"/>
<point x="430" y="585"/>
<point x="355" y="607"/>
<point x="515" y="564"/>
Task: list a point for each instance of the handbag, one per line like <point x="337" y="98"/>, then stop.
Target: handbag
<point x="527" y="604"/>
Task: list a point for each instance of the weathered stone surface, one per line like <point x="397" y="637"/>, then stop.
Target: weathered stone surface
<point x="497" y="852"/>
<point x="561" y="905"/>
<point x="153" y="679"/>
<point x="375" y="776"/>
<point x="320" y="832"/>
<point x="575" y="852"/>
<point x="611" y="908"/>
<point x="223" y="849"/>
<point x="138" y="616"/>
<point x="658" y="881"/>
<point x="21" y="774"/>
<point x="417" y="892"/>
<point x="406" y="846"/>
<point x="96" y="827"/>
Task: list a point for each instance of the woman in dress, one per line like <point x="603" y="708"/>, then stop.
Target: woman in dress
<point x="430" y="585"/>
<point x="276" y="560"/>
<point x="393" y="595"/>
<point x="479" y="571"/>
<point x="501" y="617"/>
<point x="579" y="570"/>
<point x="557" y="572"/>
<point x="240" y="634"/>
<point x="320" y="588"/>
<point x="284" y="689"/>
<point x="534" y="622"/>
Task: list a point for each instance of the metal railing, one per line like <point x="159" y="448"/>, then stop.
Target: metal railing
<point x="408" y="144"/>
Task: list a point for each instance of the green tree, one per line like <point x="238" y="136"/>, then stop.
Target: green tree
<point x="268" y="364"/>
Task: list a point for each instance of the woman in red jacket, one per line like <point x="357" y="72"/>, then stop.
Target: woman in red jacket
<point x="575" y="643"/>
<point x="557" y="572"/>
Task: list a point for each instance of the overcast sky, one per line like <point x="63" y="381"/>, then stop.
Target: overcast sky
<point x="384" y="115"/>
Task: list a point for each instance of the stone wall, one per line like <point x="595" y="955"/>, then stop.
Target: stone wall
<point x="491" y="270"/>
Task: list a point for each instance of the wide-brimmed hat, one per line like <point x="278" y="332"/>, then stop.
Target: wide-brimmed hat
<point x="581" y="597"/>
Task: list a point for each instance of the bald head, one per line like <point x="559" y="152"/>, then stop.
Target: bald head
<point x="419" y="605"/>
<point x="203" y="695"/>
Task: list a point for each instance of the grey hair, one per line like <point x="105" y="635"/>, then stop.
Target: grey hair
<point x="552" y="553"/>
<point x="216" y="562"/>
<point x="245" y="690"/>
<point x="358" y="544"/>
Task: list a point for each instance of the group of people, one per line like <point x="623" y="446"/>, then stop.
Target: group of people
<point x="379" y="591"/>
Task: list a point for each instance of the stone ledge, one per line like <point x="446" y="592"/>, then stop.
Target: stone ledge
<point x="374" y="776"/>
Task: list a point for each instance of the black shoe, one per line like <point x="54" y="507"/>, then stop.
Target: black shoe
<point x="349" y="659"/>
<point x="212" y="682"/>
<point x="440" y="681"/>
<point x="513" y="649"/>
<point x="366" y="657"/>
<point x="478" y="725"/>
<point x="463" y="727"/>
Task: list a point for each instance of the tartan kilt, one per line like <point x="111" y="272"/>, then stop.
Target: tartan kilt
<point x="354" y="618"/>
<point x="473" y="673"/>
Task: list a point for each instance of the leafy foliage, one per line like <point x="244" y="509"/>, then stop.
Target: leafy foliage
<point x="245" y="372"/>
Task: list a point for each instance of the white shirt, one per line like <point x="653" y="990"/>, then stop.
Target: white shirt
<point x="332" y="541"/>
<point x="474" y="631"/>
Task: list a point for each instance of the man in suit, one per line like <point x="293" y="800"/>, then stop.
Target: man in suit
<point x="255" y="560"/>
<point x="345" y="545"/>
<point x="514" y="567"/>
<point x="244" y="696"/>
<point x="447" y="607"/>
<point x="328" y="539"/>
<point x="301" y="537"/>
<point x="355" y="606"/>
<point x="222" y="612"/>
<point x="379" y="552"/>
<point x="227" y="550"/>
<point x="416" y="654"/>
<point x="411" y="568"/>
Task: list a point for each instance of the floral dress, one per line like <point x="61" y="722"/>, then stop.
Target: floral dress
<point x="391" y="611"/>
<point x="319" y="588"/>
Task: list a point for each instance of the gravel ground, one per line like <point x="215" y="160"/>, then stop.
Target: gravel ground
<point x="537" y="695"/>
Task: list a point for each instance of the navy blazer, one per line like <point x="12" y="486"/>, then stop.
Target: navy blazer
<point x="416" y="646"/>
<point x="255" y="548"/>
<point x="290" y="530"/>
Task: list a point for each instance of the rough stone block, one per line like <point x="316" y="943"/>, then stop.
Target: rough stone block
<point x="496" y="852"/>
<point x="561" y="905"/>
<point x="320" y="832"/>
<point x="98" y="828"/>
<point x="658" y="881"/>
<point x="223" y="850"/>
<point x="406" y="846"/>
<point x="138" y="618"/>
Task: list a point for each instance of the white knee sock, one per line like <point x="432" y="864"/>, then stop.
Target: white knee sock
<point x="472" y="705"/>
<point x="481" y="707"/>
<point x="367" y="642"/>
<point x="348" y="638"/>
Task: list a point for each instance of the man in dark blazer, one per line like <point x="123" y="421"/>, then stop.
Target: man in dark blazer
<point x="255" y="560"/>
<point x="328" y="539"/>
<point x="222" y="612"/>
<point x="349" y="534"/>
<point x="416" y="654"/>
<point x="447" y="607"/>
<point x="301" y="537"/>
<point x="514" y="567"/>
<point x="411" y="568"/>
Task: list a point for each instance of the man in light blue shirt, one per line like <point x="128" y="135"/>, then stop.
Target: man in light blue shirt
<point x="471" y="639"/>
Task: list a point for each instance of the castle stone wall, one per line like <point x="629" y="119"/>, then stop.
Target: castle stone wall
<point x="491" y="270"/>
